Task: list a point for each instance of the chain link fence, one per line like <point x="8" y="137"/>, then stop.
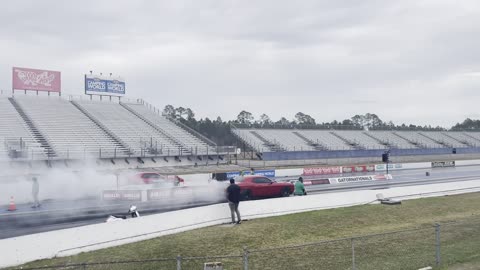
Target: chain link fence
<point x="440" y="245"/>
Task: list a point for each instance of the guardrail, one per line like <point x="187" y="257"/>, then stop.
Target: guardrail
<point x="36" y="153"/>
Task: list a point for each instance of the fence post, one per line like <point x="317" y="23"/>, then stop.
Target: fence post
<point x="353" y="254"/>
<point x="245" y="258"/>
<point x="437" y="244"/>
<point x="179" y="262"/>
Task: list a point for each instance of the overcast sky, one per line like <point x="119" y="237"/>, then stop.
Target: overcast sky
<point x="407" y="61"/>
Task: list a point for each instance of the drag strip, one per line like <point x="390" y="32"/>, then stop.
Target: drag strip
<point x="383" y="184"/>
<point x="406" y="178"/>
<point x="12" y="225"/>
<point x="30" y="222"/>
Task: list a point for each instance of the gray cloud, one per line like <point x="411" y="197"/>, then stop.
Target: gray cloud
<point x="407" y="61"/>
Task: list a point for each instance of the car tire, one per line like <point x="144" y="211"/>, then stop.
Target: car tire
<point x="285" y="192"/>
<point x="247" y="195"/>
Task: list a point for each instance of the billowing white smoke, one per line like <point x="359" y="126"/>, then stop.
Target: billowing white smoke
<point x="86" y="181"/>
<point x="54" y="183"/>
<point x="62" y="184"/>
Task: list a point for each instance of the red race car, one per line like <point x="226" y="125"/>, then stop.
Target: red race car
<point x="156" y="178"/>
<point x="257" y="186"/>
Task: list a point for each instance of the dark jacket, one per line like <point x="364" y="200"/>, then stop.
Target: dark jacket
<point x="233" y="193"/>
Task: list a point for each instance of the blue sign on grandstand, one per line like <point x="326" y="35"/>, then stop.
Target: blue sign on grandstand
<point x="98" y="85"/>
<point x="267" y="173"/>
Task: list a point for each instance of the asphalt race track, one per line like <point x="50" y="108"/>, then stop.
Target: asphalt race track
<point x="61" y="215"/>
<point x="413" y="177"/>
<point x="17" y="224"/>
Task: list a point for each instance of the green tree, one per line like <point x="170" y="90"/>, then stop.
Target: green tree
<point x="368" y="120"/>
<point x="265" y="120"/>
<point x="304" y="119"/>
<point x="245" y="117"/>
<point x="180" y="112"/>
<point x="467" y="124"/>
<point x="283" y="122"/>
<point x="169" y="111"/>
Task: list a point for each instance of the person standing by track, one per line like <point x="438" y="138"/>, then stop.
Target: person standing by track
<point x="233" y="197"/>
<point x="299" y="188"/>
<point x="35" y="191"/>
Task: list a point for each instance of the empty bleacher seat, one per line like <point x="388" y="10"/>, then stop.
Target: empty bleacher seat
<point x="182" y="136"/>
<point x="389" y="138"/>
<point x="13" y="130"/>
<point x="359" y="138"/>
<point x="418" y="139"/>
<point x="133" y="131"/>
<point x="66" y="128"/>
<point x="325" y="137"/>
<point x="444" y="139"/>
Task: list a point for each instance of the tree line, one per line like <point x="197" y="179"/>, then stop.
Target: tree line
<point x="219" y="130"/>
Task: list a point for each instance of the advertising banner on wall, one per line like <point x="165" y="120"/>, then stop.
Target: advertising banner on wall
<point x="101" y="85"/>
<point x="362" y="178"/>
<point x="443" y="164"/>
<point x="322" y="171"/>
<point x="319" y="182"/>
<point x="158" y="194"/>
<point x="391" y="167"/>
<point x="358" y="168"/>
<point x="267" y="173"/>
<point x="36" y="79"/>
<point x="122" y="195"/>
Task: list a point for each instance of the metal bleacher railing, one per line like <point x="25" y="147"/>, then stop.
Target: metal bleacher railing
<point x="17" y="149"/>
<point x="74" y="134"/>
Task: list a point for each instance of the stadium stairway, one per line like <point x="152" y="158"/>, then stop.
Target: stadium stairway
<point x="193" y="132"/>
<point x="141" y="137"/>
<point x="349" y="142"/>
<point x="192" y="140"/>
<point x="122" y="145"/>
<point x="37" y="135"/>
<point x="415" y="143"/>
<point x="476" y="140"/>
<point x="441" y="142"/>
<point x="464" y="142"/>
<point x="316" y="145"/>
<point x="157" y="128"/>
<point x="272" y="146"/>
<point x="380" y="141"/>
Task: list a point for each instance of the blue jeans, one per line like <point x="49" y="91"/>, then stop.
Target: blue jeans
<point x="234" y="210"/>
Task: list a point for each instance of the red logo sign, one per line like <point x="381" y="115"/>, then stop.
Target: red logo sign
<point x="36" y="79"/>
<point x="322" y="171"/>
<point x="358" y="168"/>
<point x="320" y="182"/>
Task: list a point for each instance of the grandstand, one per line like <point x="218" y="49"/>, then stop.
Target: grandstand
<point x="192" y="141"/>
<point x="55" y="128"/>
<point x="58" y="128"/>
<point x="359" y="140"/>
<point x="311" y="144"/>
<point x="12" y="128"/>
<point x="65" y="129"/>
<point x="326" y="139"/>
<point x="390" y="139"/>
